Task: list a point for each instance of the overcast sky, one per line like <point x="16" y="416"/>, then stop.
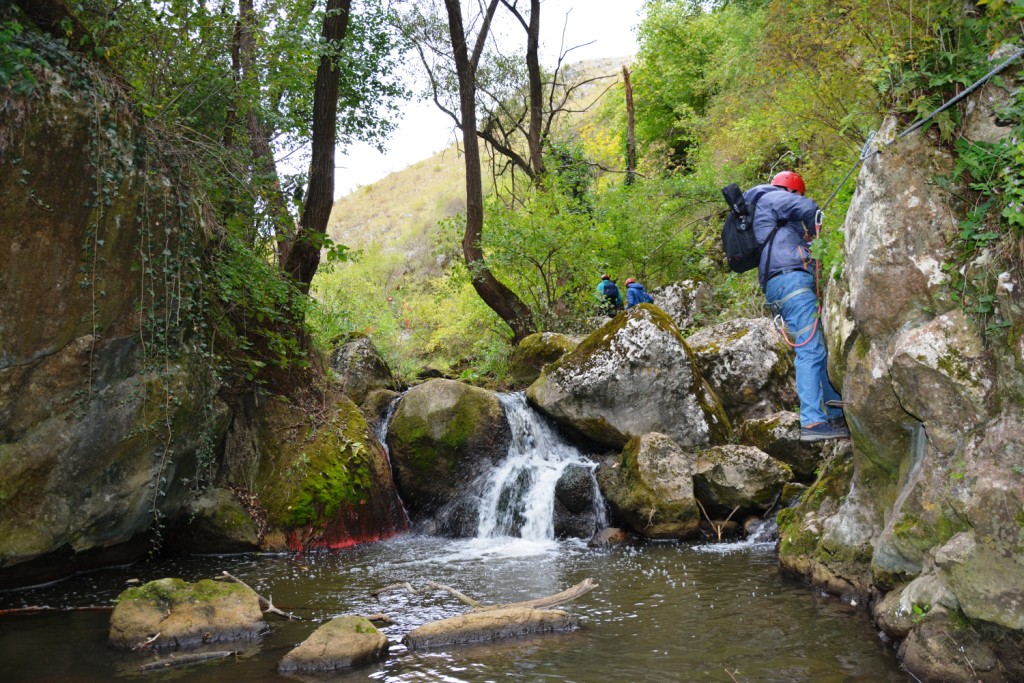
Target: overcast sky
<point x="424" y="130"/>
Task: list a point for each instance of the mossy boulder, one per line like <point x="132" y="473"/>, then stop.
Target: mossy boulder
<point x="535" y="352"/>
<point x="748" y="365"/>
<point x="827" y="537"/>
<point x="650" y="487"/>
<point x="186" y="615"/>
<point x="442" y="436"/>
<point x="342" y="643"/>
<point x="744" y="477"/>
<point x="633" y="376"/>
<point x="359" y="369"/>
<point x="323" y="484"/>
<point x="778" y="435"/>
<point x="215" y="521"/>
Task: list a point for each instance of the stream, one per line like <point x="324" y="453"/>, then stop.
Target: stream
<point x="661" y="612"/>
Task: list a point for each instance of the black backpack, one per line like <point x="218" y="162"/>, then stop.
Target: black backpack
<point x="742" y="250"/>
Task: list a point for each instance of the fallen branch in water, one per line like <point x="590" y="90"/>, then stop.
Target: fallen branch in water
<point x="147" y="642"/>
<point x="269" y="604"/>
<point x="720" y="526"/>
<point x="184" y="660"/>
<point x="582" y="588"/>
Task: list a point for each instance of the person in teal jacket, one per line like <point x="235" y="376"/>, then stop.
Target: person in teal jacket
<point x="608" y="296"/>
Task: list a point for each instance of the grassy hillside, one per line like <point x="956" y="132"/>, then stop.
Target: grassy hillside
<point x="403" y="286"/>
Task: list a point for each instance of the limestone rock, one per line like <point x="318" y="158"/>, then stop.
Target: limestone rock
<point x="778" y="435"/>
<point x="343" y="642"/>
<point x="534" y="353"/>
<point x="683" y="301"/>
<point x="185" y="615"/>
<point x="941" y="376"/>
<point x="748" y="365"/>
<point x="726" y="477"/>
<point x="486" y="625"/>
<point x="896" y="230"/>
<point x="633" y="376"/>
<point x="650" y="487"/>
<point x="360" y="369"/>
<point x="938" y="649"/>
<point x="442" y="434"/>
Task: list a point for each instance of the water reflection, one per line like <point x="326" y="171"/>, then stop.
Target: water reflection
<point x="662" y="612"/>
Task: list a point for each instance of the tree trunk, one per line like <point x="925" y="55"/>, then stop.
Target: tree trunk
<point x="263" y="165"/>
<point x="496" y="295"/>
<point x="303" y="257"/>
<point x="536" y="97"/>
<point x="630" y="130"/>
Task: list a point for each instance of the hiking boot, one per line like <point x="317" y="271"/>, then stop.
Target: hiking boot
<point x="823" y="431"/>
<point x="838" y="422"/>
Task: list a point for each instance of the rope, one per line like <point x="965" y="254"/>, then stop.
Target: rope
<point x="868" y="150"/>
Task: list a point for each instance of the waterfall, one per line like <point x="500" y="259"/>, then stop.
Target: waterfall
<point x="518" y="496"/>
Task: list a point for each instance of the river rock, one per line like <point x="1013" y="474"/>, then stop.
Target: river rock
<point x="778" y="435"/>
<point x="683" y="301"/>
<point x="633" y="376"/>
<point x="650" y="487"/>
<point x="486" y="625"/>
<point x="442" y="436"/>
<point x="609" y="537"/>
<point x="185" y="615"/>
<point x="533" y="353"/>
<point x="215" y="521"/>
<point x="360" y="369"/>
<point x="318" y="484"/>
<point x="343" y="642"/>
<point x="744" y="477"/>
<point x="945" y="649"/>
<point x="748" y="365"/>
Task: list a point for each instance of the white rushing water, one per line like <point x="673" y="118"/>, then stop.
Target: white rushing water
<point x="519" y="496"/>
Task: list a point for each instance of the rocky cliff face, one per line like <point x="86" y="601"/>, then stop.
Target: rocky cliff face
<point x="103" y="413"/>
<point x="925" y="516"/>
<point x="109" y="412"/>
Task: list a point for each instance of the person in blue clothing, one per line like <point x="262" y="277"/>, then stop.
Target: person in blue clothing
<point x="636" y="294"/>
<point x="785" y="222"/>
<point x="608" y="296"/>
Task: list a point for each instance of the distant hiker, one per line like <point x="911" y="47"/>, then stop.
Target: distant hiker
<point x="636" y="294"/>
<point x="786" y="273"/>
<point x="608" y="296"/>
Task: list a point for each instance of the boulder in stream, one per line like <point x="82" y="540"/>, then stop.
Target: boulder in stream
<point x="343" y="642"/>
<point x="534" y="353"/>
<point x="633" y="376"/>
<point x="360" y="369"/>
<point x="185" y="615"/>
<point x="650" y="487"/>
<point x="744" y="477"/>
<point x="442" y="435"/>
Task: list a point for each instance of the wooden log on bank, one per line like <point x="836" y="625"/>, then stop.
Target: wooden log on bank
<point x="493" y="622"/>
<point x="185" y="660"/>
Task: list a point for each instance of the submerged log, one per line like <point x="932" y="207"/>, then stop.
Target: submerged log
<point x="185" y="660"/>
<point x="481" y="626"/>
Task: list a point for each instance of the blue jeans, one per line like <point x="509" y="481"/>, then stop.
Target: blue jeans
<point x="800" y="311"/>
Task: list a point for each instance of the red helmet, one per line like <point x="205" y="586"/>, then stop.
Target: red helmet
<point x="630" y="281"/>
<point x="790" y="181"/>
<point x="605" y="277"/>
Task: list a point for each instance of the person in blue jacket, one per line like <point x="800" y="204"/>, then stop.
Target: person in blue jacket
<point x="785" y="222"/>
<point x="636" y="294"/>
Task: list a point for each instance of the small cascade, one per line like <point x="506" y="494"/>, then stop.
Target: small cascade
<point x="518" y="497"/>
